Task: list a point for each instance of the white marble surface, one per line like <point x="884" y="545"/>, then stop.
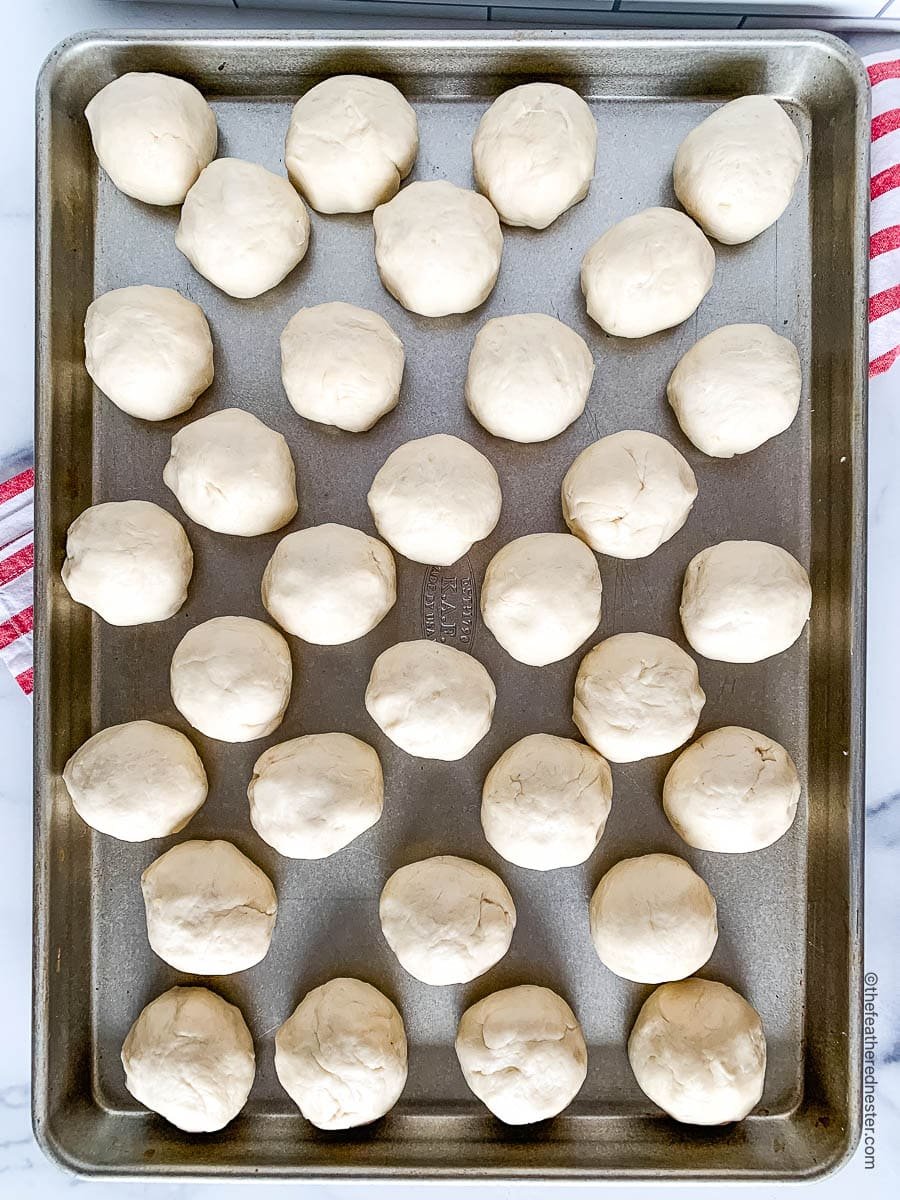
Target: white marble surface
<point x="23" y="1170"/>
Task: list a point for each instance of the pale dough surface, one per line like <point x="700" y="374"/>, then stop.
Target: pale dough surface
<point x="448" y="920"/>
<point x="313" y="795"/>
<point x="733" y="791"/>
<point x="233" y="474"/>
<point x="744" y="601"/>
<point x="189" y="1057"/>
<point x="329" y="584"/>
<point x="341" y="1054"/>
<point x="242" y="227"/>
<point x="545" y="802"/>
<point x="647" y="273"/>
<point x="351" y="141"/>
<point x="653" y="919"/>
<point x="341" y="365"/>
<point x="231" y="678"/>
<point x="128" y="560"/>
<point x="533" y="153"/>
<point x="541" y="597"/>
<point x="698" y="1050"/>
<point x="149" y="350"/>
<point x="136" y="781"/>
<point x="210" y="910"/>
<point x="637" y="695"/>
<point x="153" y="135"/>
<point x="628" y="493"/>
<point x="431" y="700"/>
<point x="528" y="377"/>
<point x="438" y="248"/>
<point x="522" y="1053"/>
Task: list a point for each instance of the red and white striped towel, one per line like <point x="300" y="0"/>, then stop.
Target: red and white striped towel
<point x="17" y="494"/>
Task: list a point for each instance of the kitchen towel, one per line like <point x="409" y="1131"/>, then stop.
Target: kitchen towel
<point x="17" y="493"/>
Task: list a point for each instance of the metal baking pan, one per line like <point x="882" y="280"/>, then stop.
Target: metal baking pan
<point x="790" y="915"/>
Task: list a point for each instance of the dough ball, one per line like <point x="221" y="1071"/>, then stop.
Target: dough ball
<point x="522" y="1053"/>
<point x="736" y="171"/>
<point x="341" y="365"/>
<point x="232" y="474"/>
<point x="350" y="142"/>
<point x="243" y="228"/>
<point x="698" y="1050"/>
<point x="341" y="1055"/>
<point x="153" y="135"/>
<point x="231" y="678"/>
<point x="545" y="802"/>
<point x="210" y="910"/>
<point x="653" y="919"/>
<point x="744" y="601"/>
<point x="647" y="273"/>
<point x="149" y="350"/>
<point x="438" y="248"/>
<point x="136" y="781"/>
<point x="329" y="584"/>
<point x="733" y="791"/>
<point x="189" y="1057"/>
<point x="431" y="700"/>
<point x="534" y="152"/>
<point x="131" y="562"/>
<point x="541" y="597"/>
<point x="313" y="795"/>
<point x="628" y="493"/>
<point x="528" y="378"/>
<point x="736" y="388"/>
<point x="636" y="696"/>
<point x="433" y="498"/>
<point x="447" y="919"/>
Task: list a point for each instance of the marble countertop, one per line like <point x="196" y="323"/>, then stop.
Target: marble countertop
<point x="23" y="1170"/>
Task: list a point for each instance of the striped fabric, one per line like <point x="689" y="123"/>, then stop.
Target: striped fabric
<point x="17" y="576"/>
<point x="884" y="247"/>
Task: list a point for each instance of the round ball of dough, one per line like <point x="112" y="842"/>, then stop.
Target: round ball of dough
<point x="628" y="493"/>
<point x="744" y="601"/>
<point x="210" y="910"/>
<point x="232" y="474"/>
<point x="243" y="228"/>
<point x="534" y="152"/>
<point x="329" y="584"/>
<point x="351" y="140"/>
<point x="189" y="1057"/>
<point x="736" y="388"/>
<point x="528" y="378"/>
<point x="653" y="919"/>
<point x="541" y="597"/>
<point x="433" y="498"/>
<point x="438" y="248"/>
<point x="647" y="273"/>
<point x="522" y="1053"/>
<point x="131" y="562"/>
<point x="733" y="791"/>
<point x="341" y="1054"/>
<point x="636" y="696"/>
<point x="698" y="1050"/>
<point x="431" y="700"/>
<point x="341" y="365"/>
<point x="545" y="802"/>
<point x="149" y="350"/>
<point x="136" y="781"/>
<point x="447" y="919"/>
<point x="153" y="135"/>
<point x="736" y="171"/>
<point x="313" y="795"/>
<point x="231" y="678"/>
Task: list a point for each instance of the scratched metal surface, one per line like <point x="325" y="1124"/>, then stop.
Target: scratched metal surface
<point x="327" y="922"/>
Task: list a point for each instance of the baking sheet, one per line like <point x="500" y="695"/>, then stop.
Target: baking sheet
<point x="789" y="915"/>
